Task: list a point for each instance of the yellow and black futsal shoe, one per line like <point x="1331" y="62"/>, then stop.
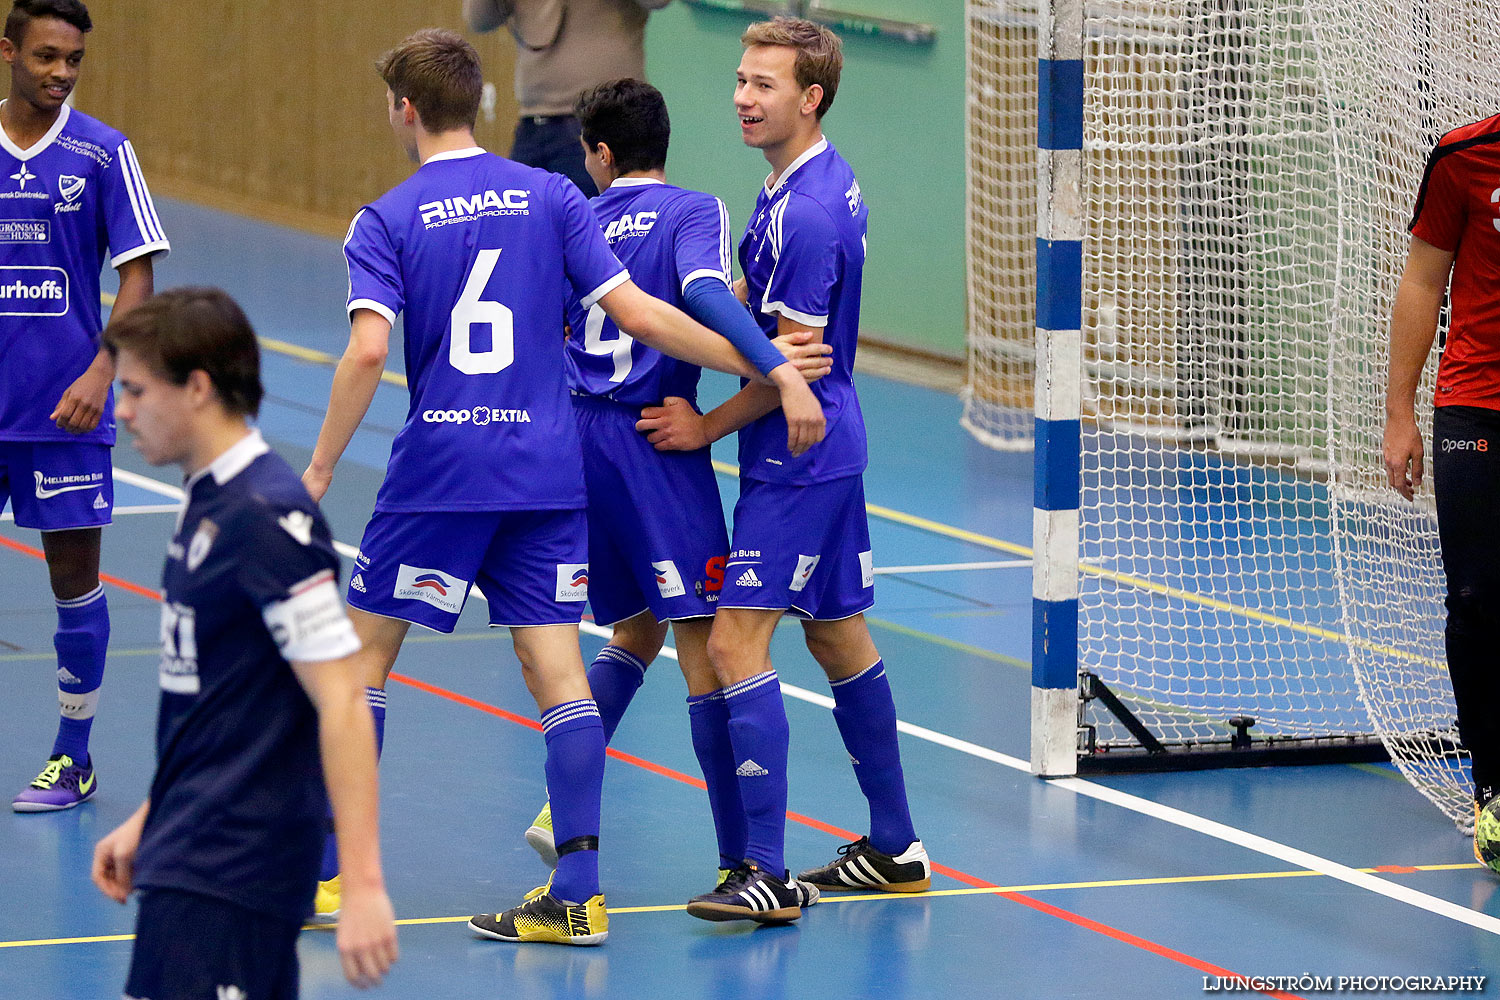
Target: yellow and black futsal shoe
<point x="544" y="917"/>
<point x="539" y="836"/>
<point x="327" y="901"/>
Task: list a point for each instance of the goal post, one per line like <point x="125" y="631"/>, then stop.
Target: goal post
<point x="1058" y="388"/>
<point x="1192" y="335"/>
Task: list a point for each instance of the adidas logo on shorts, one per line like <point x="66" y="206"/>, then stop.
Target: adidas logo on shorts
<point x="358" y="583"/>
<point x="750" y="769"/>
<point x="748" y="579"/>
<point x="100" y="503"/>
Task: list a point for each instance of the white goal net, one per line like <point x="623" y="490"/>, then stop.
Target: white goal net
<point x="1249" y="170"/>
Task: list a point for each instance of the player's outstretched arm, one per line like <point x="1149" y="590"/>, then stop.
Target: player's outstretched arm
<point x="1414" y="320"/>
<point x="83" y="402"/>
<point x="676" y="426"/>
<point x="354" y="384"/>
<point x="711" y="302"/>
<point x="114" y="856"/>
<point x="671" y="331"/>
<point x="346" y="736"/>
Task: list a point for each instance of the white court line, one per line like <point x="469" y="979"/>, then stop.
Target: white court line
<point x="150" y="508"/>
<point x="1080" y="786"/>
<point x="954" y="567"/>
<point x="147" y="483"/>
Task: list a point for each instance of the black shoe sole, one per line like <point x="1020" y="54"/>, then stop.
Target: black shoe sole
<point x="921" y="885"/>
<point x="721" y="912"/>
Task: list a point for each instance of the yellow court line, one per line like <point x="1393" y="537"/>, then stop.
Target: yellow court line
<point x="953" y="644"/>
<point x="851" y="898"/>
<point x="28" y="657"/>
<point x="293" y="350"/>
<point x="321" y="358"/>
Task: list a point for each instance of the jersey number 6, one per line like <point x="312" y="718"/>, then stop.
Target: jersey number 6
<point x="469" y="311"/>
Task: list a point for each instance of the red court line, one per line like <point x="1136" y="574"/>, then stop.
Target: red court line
<point x="1125" y="937"/>
<point x="133" y="588"/>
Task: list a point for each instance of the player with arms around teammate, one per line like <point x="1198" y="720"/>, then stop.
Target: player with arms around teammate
<point x="258" y="684"/>
<point x="72" y="196"/>
<point x="801" y="539"/>
<point x="655" y="523"/>
<point x="1455" y="248"/>
<point x="485" y="480"/>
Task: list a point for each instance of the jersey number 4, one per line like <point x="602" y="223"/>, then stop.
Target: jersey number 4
<point x="618" y="349"/>
<point x="470" y="311"/>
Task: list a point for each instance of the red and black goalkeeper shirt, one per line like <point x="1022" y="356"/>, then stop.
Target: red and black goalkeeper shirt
<point x="1458" y="210"/>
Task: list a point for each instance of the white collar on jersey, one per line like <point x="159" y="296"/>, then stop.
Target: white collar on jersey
<point x="453" y="154"/>
<point x="626" y="182"/>
<point x="812" y="151"/>
<point x="41" y="144"/>
<point x="230" y="464"/>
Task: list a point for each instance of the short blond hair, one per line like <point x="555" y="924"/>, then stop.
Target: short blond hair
<point x="820" y="53"/>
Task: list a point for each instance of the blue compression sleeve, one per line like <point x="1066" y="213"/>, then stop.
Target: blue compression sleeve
<point x="711" y="303"/>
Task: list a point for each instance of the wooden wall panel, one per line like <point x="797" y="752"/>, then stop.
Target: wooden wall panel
<point x="270" y="109"/>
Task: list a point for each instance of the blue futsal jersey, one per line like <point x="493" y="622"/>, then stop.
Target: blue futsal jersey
<point x="803" y="256"/>
<point x="668" y="237"/>
<point x="480" y="254"/>
<point x="237" y="803"/>
<point x="66" y="203"/>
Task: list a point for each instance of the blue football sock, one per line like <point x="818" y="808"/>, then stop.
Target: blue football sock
<point x="375" y="698"/>
<point x="81" y="641"/>
<point x="866" y="717"/>
<point x="708" y="716"/>
<point x="759" y="733"/>
<point x="575" y="779"/>
<point x="614" y="677"/>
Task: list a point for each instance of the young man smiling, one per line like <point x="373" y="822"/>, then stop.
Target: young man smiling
<point x="656" y="527"/>
<point x="73" y="195"/>
<point x="801" y="541"/>
<point x="485" y="480"/>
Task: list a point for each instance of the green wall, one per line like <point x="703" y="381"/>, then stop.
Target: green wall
<point x="898" y="119"/>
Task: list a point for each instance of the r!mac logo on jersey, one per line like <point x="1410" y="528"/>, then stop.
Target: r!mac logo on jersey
<point x="484" y="203"/>
<point x="638" y="224"/>
<point x="430" y="586"/>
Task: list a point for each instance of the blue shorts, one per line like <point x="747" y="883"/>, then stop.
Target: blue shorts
<point x="57" y="485"/>
<point x="803" y="549"/>
<point x="191" y="945"/>
<point x="532" y="566"/>
<point x="656" y="524"/>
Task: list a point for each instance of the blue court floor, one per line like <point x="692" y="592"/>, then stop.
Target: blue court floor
<point x="1146" y="886"/>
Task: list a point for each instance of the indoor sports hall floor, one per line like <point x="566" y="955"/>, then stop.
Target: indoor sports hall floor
<point x="1120" y="887"/>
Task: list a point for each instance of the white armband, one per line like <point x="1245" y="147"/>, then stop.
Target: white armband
<point x="310" y="625"/>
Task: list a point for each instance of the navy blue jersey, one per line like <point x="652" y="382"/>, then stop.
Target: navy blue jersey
<point x="480" y="254"/>
<point x="74" y="197"/>
<point x="803" y="255"/>
<point x="668" y="237"/>
<point x="238" y="810"/>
